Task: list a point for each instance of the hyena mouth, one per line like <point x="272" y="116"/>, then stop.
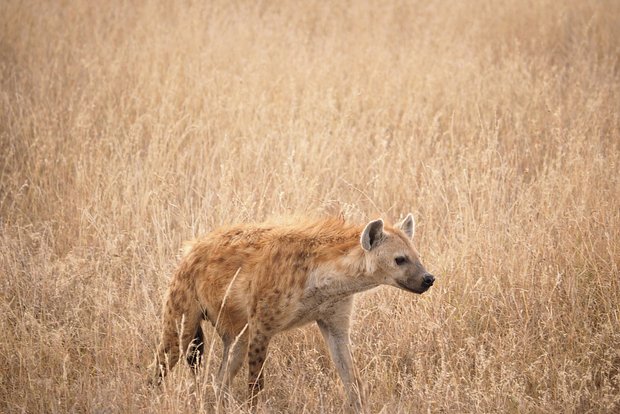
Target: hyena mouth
<point x="418" y="290"/>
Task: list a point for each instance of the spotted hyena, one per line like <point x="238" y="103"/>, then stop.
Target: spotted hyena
<point x="253" y="281"/>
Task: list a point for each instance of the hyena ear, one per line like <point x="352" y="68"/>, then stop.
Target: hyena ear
<point x="372" y="234"/>
<point x="407" y="226"/>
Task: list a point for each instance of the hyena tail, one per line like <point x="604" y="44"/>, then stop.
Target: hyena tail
<point x="182" y="333"/>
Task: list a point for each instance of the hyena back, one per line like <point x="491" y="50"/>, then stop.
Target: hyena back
<point x="253" y="281"/>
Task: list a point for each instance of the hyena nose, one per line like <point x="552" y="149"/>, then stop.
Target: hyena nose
<point x="428" y="280"/>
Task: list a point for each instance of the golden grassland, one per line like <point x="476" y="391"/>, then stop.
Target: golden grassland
<point x="128" y="127"/>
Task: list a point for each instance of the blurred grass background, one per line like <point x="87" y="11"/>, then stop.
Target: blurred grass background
<point x="128" y="127"/>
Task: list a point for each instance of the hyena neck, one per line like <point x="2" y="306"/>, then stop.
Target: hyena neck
<point x="340" y="278"/>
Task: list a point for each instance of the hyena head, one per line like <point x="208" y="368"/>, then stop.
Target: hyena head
<point x="391" y="258"/>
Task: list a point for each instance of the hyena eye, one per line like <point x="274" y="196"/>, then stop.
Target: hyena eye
<point x="401" y="260"/>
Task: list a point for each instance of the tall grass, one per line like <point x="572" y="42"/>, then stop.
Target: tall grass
<point x="128" y="127"/>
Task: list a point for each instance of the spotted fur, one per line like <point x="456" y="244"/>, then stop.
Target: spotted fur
<point x="253" y="281"/>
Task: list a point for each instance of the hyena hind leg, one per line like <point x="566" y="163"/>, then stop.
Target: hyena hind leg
<point x="257" y="354"/>
<point x="235" y="351"/>
<point x="196" y="349"/>
<point x="226" y="345"/>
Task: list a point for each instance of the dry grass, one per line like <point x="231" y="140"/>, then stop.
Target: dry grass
<point x="126" y="128"/>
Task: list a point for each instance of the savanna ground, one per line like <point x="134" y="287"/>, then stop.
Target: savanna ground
<point x="128" y="127"/>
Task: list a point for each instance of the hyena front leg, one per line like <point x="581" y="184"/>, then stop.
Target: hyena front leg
<point x="335" y="330"/>
<point x="181" y="321"/>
